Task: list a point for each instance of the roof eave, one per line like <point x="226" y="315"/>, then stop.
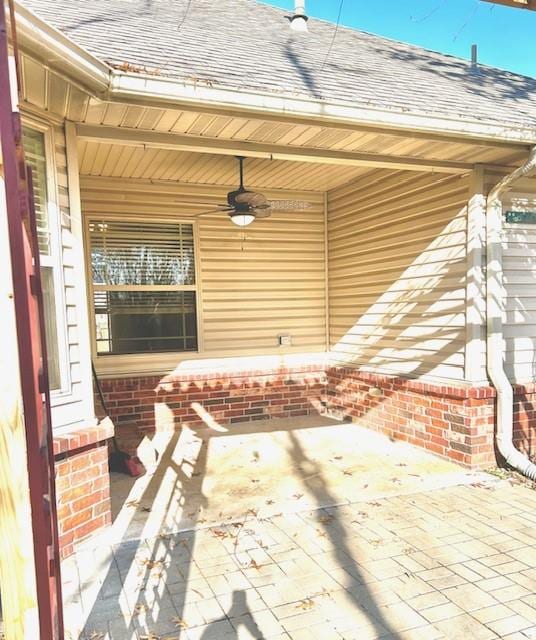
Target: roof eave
<point x="192" y="93"/>
<point x="60" y="52"/>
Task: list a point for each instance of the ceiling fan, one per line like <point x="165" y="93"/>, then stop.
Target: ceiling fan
<point x="244" y="206"/>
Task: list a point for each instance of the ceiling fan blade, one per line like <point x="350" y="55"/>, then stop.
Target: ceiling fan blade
<point x="262" y="213"/>
<point x="251" y="198"/>
<point x="195" y="203"/>
<point x="206" y="213"/>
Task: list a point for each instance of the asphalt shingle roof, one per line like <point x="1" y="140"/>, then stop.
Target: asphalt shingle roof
<point x="246" y="44"/>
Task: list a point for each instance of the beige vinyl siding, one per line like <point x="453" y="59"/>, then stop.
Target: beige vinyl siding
<point x="519" y="280"/>
<point x="254" y="283"/>
<point x="397" y="271"/>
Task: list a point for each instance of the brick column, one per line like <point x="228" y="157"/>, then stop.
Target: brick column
<point x="82" y="484"/>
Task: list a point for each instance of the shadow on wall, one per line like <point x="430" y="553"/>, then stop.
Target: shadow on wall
<point x="398" y="296"/>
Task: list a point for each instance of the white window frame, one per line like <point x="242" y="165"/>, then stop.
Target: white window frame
<point x="55" y="259"/>
<point x="142" y="362"/>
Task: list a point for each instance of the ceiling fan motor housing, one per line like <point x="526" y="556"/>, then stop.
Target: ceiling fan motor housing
<point x="231" y="199"/>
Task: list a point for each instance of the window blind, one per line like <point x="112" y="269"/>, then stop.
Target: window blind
<point x="143" y="278"/>
<point x="129" y="253"/>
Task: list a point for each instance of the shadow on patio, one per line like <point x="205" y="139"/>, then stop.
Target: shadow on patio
<point x="236" y="533"/>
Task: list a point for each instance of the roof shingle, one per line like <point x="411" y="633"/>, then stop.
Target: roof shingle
<point x="246" y="44"/>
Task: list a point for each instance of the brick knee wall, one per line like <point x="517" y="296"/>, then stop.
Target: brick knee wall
<point x="82" y="485"/>
<point x="197" y="399"/>
<point x="525" y="418"/>
<point x="455" y="422"/>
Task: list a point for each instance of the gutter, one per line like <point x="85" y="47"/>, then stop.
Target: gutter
<point x="494" y="298"/>
<point x="194" y="93"/>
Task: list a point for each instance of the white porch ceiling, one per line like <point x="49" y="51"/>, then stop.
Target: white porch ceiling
<point x="123" y="161"/>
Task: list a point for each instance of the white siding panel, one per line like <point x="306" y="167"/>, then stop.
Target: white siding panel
<point x="519" y="279"/>
<point x="397" y="267"/>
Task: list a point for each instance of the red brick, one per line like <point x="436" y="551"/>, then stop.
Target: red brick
<point x="70" y="523"/>
<point x="87" y="501"/>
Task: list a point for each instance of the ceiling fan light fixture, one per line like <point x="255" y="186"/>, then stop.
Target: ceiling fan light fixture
<point x="241" y="219"/>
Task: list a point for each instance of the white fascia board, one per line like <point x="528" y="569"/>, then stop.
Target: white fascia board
<point x="57" y="50"/>
<point x="130" y="86"/>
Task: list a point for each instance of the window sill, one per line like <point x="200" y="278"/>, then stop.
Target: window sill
<point x="192" y="363"/>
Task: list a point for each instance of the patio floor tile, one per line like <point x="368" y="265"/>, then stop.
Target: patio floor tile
<point x="432" y="560"/>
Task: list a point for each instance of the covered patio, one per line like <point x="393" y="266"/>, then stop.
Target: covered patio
<point x="358" y="299"/>
<point x="305" y="529"/>
<point x="283" y="496"/>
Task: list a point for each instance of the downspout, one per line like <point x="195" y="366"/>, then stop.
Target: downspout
<point x="494" y="298"/>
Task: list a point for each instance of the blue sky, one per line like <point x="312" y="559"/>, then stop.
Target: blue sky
<point x="506" y="38"/>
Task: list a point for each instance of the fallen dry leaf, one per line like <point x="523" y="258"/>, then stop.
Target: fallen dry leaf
<point x="252" y="512"/>
<point x="270" y="502"/>
<point x="255" y="480"/>
<point x="347" y="473"/>
<point x="179" y="622"/>
<point x="146" y="509"/>
<point x="338" y="457"/>
<point x="132" y="503"/>
<point x="297" y="496"/>
<point x="253" y="564"/>
<point x="305" y="604"/>
<point x="151" y="564"/>
<point x="326" y="519"/>
<point x="139" y="609"/>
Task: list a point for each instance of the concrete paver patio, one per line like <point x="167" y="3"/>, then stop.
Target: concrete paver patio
<point x="307" y="530"/>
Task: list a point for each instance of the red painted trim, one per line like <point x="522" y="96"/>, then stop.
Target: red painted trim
<point x="32" y="355"/>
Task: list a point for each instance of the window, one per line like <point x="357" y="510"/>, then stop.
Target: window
<point x="35" y="154"/>
<point x="144" y="292"/>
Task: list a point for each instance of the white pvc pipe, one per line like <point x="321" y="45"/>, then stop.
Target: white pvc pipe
<point x="494" y="307"/>
<point x="299" y="7"/>
<point x="298" y="22"/>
